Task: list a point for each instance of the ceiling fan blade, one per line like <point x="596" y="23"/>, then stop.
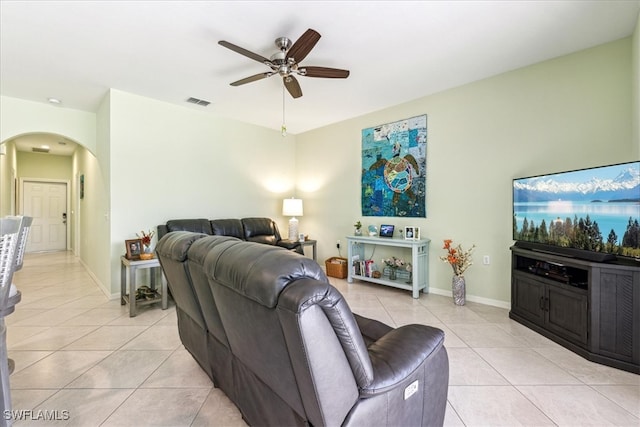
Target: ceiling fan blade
<point x="329" y="73"/>
<point x="244" y="52"/>
<point x="303" y="45"/>
<point x="292" y="85"/>
<point x="252" y="79"/>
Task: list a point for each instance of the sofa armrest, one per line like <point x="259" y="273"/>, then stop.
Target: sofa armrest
<point x="371" y="330"/>
<point x="398" y="354"/>
<point x="162" y="230"/>
<point x="288" y="244"/>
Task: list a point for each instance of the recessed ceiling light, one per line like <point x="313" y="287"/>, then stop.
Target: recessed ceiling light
<point x="54" y="101"/>
<point x="45" y="147"/>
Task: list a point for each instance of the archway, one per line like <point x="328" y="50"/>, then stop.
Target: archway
<point x="44" y="167"/>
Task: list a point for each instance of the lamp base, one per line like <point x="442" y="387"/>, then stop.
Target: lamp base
<point x="293" y="229"/>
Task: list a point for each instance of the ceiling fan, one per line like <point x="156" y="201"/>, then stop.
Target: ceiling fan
<point x="286" y="62"/>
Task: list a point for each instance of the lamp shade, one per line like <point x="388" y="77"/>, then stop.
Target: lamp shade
<point x="292" y="207"/>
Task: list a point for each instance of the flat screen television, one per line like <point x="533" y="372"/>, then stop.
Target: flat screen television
<point x="591" y="214"/>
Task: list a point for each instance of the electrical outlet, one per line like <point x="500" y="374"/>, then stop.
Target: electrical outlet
<point x="486" y="260"/>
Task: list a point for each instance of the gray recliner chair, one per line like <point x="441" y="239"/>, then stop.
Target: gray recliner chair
<point x="283" y="344"/>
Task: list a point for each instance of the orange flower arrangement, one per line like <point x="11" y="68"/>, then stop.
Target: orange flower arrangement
<point x="459" y="259"/>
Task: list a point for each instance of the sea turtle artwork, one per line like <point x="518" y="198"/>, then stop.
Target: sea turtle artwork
<point x="394" y="168"/>
<point x="398" y="173"/>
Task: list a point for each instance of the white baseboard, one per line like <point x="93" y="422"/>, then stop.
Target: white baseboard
<point x="105" y="291"/>
<point x="473" y="298"/>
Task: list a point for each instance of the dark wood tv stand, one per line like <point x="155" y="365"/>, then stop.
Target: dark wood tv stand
<point x="591" y="308"/>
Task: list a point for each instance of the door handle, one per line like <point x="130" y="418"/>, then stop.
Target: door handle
<point x="64" y="217"/>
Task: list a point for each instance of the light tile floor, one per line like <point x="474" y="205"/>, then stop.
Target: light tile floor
<point x="81" y="359"/>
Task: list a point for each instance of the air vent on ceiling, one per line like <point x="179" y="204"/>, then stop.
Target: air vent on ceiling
<point x="39" y="150"/>
<point x="198" y="101"/>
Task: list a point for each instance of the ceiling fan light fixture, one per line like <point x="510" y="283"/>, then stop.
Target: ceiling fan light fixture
<point x="286" y="62"/>
<point x="284" y="71"/>
<point x="277" y="58"/>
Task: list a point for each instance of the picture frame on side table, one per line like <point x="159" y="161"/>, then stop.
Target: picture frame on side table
<point x="386" y="230"/>
<point x="408" y="233"/>
<point x="134" y="248"/>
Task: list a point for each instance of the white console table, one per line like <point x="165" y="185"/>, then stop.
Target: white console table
<point x="419" y="261"/>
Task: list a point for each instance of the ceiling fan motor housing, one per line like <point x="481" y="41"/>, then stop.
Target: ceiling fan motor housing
<point x="283" y="43"/>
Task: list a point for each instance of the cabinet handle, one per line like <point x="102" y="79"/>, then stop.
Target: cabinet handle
<point x="542" y="303"/>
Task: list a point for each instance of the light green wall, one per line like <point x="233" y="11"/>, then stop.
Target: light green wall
<point x="8" y="174"/>
<point x="95" y="208"/>
<point x="568" y="113"/>
<point x="146" y="161"/>
<point x="155" y="161"/>
<point x="171" y="162"/>
<point x="40" y="165"/>
<point x="19" y="117"/>
<point x="91" y="215"/>
<point x="635" y="87"/>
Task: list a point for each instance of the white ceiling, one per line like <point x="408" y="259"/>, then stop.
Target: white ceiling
<point x="53" y="144"/>
<point x="396" y="51"/>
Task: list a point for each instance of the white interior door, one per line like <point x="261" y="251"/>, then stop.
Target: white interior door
<point x="46" y="202"/>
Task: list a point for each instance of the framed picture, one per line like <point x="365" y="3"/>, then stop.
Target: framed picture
<point x="386" y="230"/>
<point x="134" y="248"/>
<point x="410" y="233"/>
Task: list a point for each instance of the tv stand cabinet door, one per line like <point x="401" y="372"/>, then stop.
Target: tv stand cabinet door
<point x="528" y="296"/>
<point x="616" y="314"/>
<point x="567" y="314"/>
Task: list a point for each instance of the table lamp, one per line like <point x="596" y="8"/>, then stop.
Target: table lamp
<point x="293" y="208"/>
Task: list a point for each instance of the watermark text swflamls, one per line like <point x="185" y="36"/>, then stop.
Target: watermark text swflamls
<point x="39" y="415"/>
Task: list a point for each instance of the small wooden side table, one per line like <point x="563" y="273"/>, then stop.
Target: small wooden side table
<point x="313" y="244"/>
<point x="129" y="267"/>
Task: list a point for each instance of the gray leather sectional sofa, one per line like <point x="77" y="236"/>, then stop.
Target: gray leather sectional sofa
<point x="260" y="230"/>
<point x="273" y="333"/>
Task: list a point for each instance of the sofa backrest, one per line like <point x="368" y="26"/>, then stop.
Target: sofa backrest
<point x="172" y="254"/>
<point x="198" y="225"/>
<point x="220" y="355"/>
<point x="197" y="255"/>
<point x="328" y="352"/>
<point x="261" y="230"/>
<point x="228" y="227"/>
<point x="307" y="348"/>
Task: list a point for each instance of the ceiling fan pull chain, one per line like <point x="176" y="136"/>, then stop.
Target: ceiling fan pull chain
<point x="283" y="129"/>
